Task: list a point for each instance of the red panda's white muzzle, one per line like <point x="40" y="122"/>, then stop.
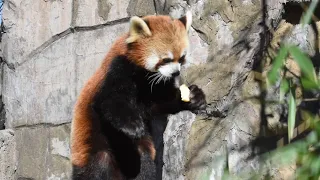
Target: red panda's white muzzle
<point x="170" y="69"/>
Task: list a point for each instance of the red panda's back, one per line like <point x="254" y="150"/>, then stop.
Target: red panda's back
<point x="83" y="137"/>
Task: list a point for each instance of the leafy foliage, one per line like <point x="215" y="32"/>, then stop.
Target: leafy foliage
<point x="292" y="115"/>
<point x="306" y="151"/>
<point x="277" y="65"/>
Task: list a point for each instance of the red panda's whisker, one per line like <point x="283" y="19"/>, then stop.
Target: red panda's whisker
<point x="165" y="79"/>
<point x="154" y="79"/>
<point x="152" y="75"/>
<point x="159" y="79"/>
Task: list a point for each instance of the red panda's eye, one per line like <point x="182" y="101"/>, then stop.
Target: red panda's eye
<point x="167" y="60"/>
<point x="182" y="59"/>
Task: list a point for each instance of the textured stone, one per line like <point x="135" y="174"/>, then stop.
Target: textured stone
<point x="198" y="50"/>
<point x="233" y="37"/>
<point x="8" y="155"/>
<point x="209" y="14"/>
<point x="2" y="115"/>
<point x="141" y="8"/>
<point x="208" y="77"/>
<point x="44" y="88"/>
<point x="177" y="8"/>
<point x="206" y="149"/>
<point x="30" y="24"/>
<point x="45" y="152"/>
<point x="47" y="95"/>
<point x="211" y="140"/>
<point x="178" y="128"/>
<point x="303" y="37"/>
<point x="47" y="63"/>
<point x="89" y="13"/>
<point x="245" y="119"/>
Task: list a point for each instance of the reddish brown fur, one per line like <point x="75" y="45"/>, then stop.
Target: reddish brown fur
<point x="145" y="145"/>
<point x="83" y="122"/>
<point x="167" y="34"/>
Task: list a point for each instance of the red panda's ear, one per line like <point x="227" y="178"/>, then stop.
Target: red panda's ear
<point x="138" y="29"/>
<point x="187" y="20"/>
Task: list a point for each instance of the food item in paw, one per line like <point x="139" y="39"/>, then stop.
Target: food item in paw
<point x="185" y="93"/>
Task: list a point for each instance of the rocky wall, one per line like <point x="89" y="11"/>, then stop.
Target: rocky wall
<point x="51" y="47"/>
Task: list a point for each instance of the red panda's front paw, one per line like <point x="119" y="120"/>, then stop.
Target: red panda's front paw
<point x="197" y="99"/>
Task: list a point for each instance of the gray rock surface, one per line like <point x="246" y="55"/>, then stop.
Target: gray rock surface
<point x="90" y="13"/>
<point x="8" y="155"/>
<point x="52" y="78"/>
<point x="29" y="25"/>
<point x="51" y="48"/>
<point x="43" y="152"/>
<point x="303" y="37"/>
<point x="2" y="115"/>
<point x="141" y="8"/>
<point x="175" y="145"/>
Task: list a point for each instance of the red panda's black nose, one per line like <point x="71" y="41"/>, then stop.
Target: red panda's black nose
<point x="177" y="73"/>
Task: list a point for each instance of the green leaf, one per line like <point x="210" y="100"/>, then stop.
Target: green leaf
<point x="315" y="165"/>
<point x="307" y="17"/>
<point x="304" y="63"/>
<point x="312" y="138"/>
<point x="309" y="84"/>
<point x="277" y="64"/>
<point x="284" y="155"/>
<point x="284" y="87"/>
<point x="292" y="114"/>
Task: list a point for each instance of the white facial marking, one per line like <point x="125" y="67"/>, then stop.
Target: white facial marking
<point x="177" y="81"/>
<point x="170" y="55"/>
<point x="170" y="68"/>
<point x="189" y="19"/>
<point x="151" y="62"/>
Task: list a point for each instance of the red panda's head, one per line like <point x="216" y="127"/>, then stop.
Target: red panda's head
<point x="159" y="43"/>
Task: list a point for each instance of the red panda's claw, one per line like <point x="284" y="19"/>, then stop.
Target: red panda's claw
<point x="197" y="99"/>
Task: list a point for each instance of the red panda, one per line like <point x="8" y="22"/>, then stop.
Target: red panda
<point x="111" y="131"/>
